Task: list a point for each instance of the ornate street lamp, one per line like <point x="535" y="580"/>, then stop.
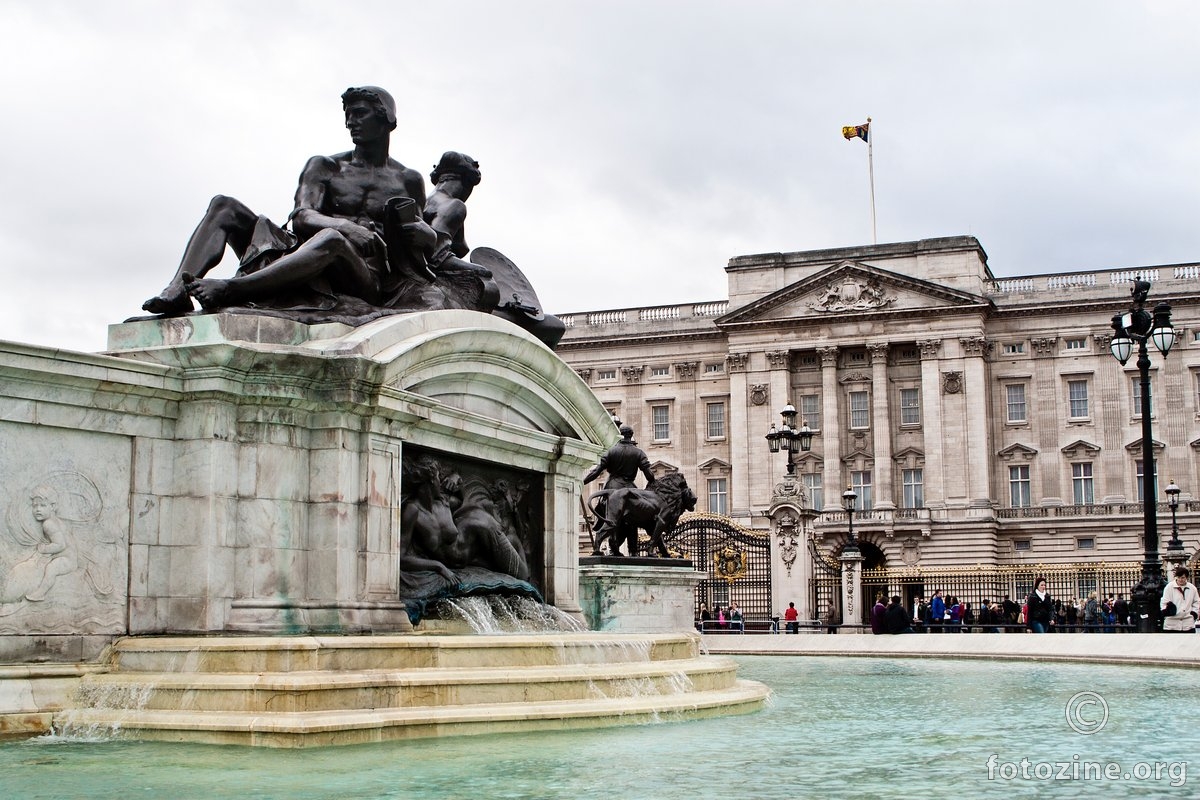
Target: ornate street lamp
<point x="1175" y="555"/>
<point x="848" y="500"/>
<point x="1140" y="326"/>
<point x="789" y="438"/>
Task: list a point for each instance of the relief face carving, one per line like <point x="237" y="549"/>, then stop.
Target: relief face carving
<point x="57" y="560"/>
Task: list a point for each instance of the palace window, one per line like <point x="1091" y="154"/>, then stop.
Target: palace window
<point x="1135" y="389"/>
<point x="606" y="375"/>
<point x="1085" y="543"/>
<point x="661" y="416"/>
<point x="1077" y="344"/>
<point x="1141" y="486"/>
<point x="660" y="372"/>
<point x="810" y="410"/>
<point x="1013" y="348"/>
<point x="718" y="496"/>
<point x="1077" y="396"/>
<point x="913" y="481"/>
<point x="812" y="482"/>
<point x="710" y="369"/>
<point x="1022" y="545"/>
<point x="716" y="420"/>
<point x="1083" y="491"/>
<point x="910" y="406"/>
<point x="1018" y="486"/>
<point x="860" y="481"/>
<point x="1015" y="399"/>
<point x="860" y="414"/>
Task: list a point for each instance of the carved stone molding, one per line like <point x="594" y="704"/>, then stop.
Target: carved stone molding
<point x="736" y="362"/>
<point x="778" y="359"/>
<point x="878" y="351"/>
<point x="633" y="374"/>
<point x="975" y="345"/>
<point x="929" y="347"/>
<point x="952" y="382"/>
<point x="759" y="394"/>
<point x="686" y="370"/>
<point x="828" y="356"/>
<point x="787" y="541"/>
<point x="1043" y="345"/>
<point x="853" y="293"/>
<point x="585" y="373"/>
<point x="1103" y="340"/>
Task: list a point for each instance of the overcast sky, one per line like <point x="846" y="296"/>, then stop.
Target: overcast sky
<point x="628" y="149"/>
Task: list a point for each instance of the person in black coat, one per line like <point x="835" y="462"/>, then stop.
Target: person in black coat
<point x="895" y="618"/>
<point x="1040" y="607"/>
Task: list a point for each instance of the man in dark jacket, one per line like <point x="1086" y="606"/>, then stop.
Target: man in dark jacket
<point x="896" y="617"/>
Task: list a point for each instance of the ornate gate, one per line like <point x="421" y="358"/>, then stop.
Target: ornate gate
<point x="826" y="584"/>
<point x="736" y="560"/>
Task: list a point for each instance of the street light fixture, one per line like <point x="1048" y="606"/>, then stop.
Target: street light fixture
<point x="849" y="498"/>
<point x="1175" y="554"/>
<point x="1140" y="326"/>
<point x="789" y="438"/>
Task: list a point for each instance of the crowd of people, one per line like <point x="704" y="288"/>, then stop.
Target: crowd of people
<point x="1041" y="613"/>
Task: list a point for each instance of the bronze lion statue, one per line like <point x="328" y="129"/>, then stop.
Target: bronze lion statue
<point x="655" y="509"/>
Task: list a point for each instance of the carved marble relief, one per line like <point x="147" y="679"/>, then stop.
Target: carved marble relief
<point x="468" y="527"/>
<point x="61" y="566"/>
<point x="852" y="293"/>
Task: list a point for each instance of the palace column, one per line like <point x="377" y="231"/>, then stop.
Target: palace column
<point x="744" y="448"/>
<point x="831" y="429"/>
<point x="881" y="426"/>
<point x="979" y="452"/>
<point x="931" y="423"/>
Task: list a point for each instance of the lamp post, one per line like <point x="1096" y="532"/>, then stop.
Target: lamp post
<point x="1175" y="556"/>
<point x="1140" y="326"/>
<point x="789" y="438"/>
<point x="848" y="500"/>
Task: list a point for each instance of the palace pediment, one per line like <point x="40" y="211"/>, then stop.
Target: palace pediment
<point x="852" y="288"/>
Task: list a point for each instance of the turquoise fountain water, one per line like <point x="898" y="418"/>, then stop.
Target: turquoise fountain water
<point x="844" y="727"/>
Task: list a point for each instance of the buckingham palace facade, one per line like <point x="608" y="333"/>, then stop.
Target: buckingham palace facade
<point x="979" y="421"/>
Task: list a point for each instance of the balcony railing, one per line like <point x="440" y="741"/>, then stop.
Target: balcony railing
<point x="650" y="314"/>
<point x="1032" y="512"/>
<point x="1086" y="280"/>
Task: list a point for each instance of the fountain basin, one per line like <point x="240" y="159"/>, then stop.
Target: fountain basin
<point x="320" y="691"/>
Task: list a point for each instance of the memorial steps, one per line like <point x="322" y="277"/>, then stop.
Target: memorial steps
<point x="317" y="691"/>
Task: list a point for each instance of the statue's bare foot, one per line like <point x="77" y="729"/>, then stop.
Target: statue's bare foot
<point x="172" y="302"/>
<point x="211" y="293"/>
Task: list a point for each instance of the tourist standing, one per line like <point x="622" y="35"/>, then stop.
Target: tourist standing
<point x="878" y="616"/>
<point x="937" y="611"/>
<point x="1180" y="604"/>
<point x="1039" y="614"/>
<point x="896" y="617"/>
<point x="792" y="617"/>
<point x="735" y="618"/>
<point x="1121" y="612"/>
<point x="922" y="614"/>
<point x="1011" y="610"/>
<point x="1091" y="614"/>
<point x="705" y="616"/>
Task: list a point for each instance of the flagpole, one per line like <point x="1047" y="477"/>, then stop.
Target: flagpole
<point x="871" y="173"/>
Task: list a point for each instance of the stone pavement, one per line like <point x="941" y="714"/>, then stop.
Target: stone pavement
<point x="1118" y="648"/>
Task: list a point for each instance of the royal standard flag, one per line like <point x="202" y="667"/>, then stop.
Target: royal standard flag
<point x="861" y="131"/>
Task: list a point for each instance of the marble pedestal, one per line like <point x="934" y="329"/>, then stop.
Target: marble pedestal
<point x="240" y="473"/>
<point x="642" y="595"/>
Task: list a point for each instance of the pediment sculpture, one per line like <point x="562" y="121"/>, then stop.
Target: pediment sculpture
<point x="852" y="293"/>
